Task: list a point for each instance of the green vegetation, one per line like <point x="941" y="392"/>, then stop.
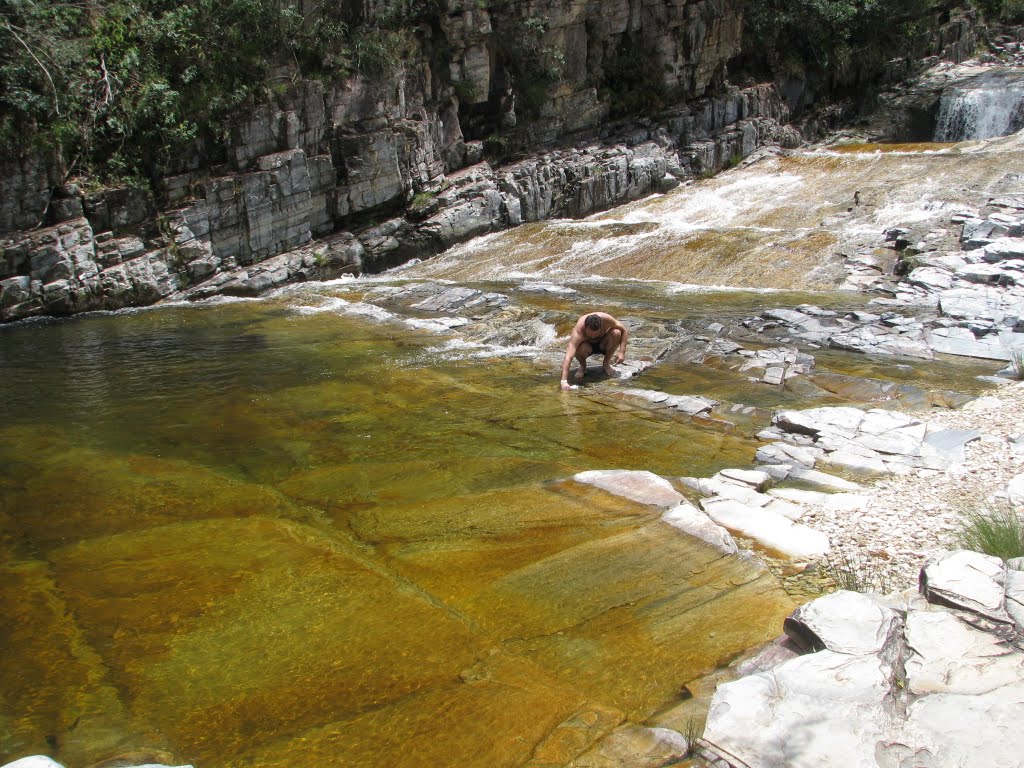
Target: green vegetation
<point x="1017" y="363"/>
<point x="997" y="530"/>
<point x="126" y="85"/>
<point x="856" y="574"/>
<point x="630" y="86"/>
<point x="797" y="36"/>
<point x="827" y="36"/>
<point x="533" y="68"/>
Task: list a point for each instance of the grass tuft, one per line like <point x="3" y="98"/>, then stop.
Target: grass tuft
<point x="857" y="574"/>
<point x="996" y="530"/>
<point x="1017" y="363"/>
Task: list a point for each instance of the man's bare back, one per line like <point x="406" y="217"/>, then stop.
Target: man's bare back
<point x="594" y="333"/>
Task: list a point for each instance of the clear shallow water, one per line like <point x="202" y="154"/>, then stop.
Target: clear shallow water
<point x="300" y="530"/>
<point x="251" y="536"/>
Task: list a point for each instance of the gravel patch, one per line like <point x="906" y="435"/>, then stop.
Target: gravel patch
<point x="908" y="520"/>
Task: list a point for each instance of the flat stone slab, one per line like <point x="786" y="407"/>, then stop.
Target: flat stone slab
<point x="968" y="580"/>
<point x="769" y="529"/>
<point x="639" y="486"/>
<point x="950" y="656"/>
<point x="691" y="520"/>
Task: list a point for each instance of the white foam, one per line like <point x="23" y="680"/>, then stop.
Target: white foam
<point x="436" y="325"/>
<point x="334" y="305"/>
<point x="372" y="311"/>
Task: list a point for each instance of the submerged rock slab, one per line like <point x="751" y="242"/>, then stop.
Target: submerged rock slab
<point x="635" y="746"/>
<point x="639" y="486"/>
<point x="691" y="520"/>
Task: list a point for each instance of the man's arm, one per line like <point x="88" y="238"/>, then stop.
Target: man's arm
<point x="620" y="353"/>
<point x="575" y="339"/>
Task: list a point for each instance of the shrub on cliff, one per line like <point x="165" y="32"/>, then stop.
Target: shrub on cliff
<point x="124" y="86"/>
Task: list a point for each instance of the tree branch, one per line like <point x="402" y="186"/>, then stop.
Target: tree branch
<point x="56" y="103"/>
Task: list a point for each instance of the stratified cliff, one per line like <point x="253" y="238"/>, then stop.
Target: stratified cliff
<point x="361" y="173"/>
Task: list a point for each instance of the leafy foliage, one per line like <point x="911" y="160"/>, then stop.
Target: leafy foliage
<point x="796" y="36"/>
<point x="127" y="84"/>
<point x="533" y="67"/>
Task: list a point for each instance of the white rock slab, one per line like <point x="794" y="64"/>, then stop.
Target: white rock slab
<point x="770" y="530"/>
<point x="822" y="479"/>
<point x="1014" y="491"/>
<point x="833" y="502"/>
<point x="958" y="730"/>
<point x="894" y="442"/>
<point x="949" y="656"/>
<point x="757" y="479"/>
<point x="692" y="521"/>
<point x="784" y="453"/>
<point x="1004" y="248"/>
<point x="968" y="580"/>
<point x="1015" y="596"/>
<point x="960" y="341"/>
<point x="879" y="421"/>
<point x="639" y="486"/>
<point x="823" y="709"/>
<point x="692" y="405"/>
<point x="856" y="461"/>
<point x="844" y="622"/>
<point x="784" y="507"/>
<point x="840" y="420"/>
<point x="944" y="448"/>
<point x="716" y="486"/>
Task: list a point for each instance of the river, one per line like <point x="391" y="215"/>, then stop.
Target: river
<point x="317" y="527"/>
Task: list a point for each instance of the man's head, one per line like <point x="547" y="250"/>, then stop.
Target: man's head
<point x="592" y="323"/>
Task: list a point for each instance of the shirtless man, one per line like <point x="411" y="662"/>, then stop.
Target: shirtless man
<point x="594" y="334"/>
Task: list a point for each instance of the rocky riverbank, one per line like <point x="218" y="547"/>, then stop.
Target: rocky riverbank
<point x="909" y="519"/>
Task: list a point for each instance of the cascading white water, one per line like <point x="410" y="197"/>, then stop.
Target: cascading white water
<point x="986" y="108"/>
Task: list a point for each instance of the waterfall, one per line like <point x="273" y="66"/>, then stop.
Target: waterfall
<point x="991" y="106"/>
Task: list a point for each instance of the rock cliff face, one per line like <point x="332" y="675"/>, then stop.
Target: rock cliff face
<point x="363" y="174"/>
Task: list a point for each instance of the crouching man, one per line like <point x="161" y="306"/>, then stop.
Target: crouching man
<point x="595" y="334"/>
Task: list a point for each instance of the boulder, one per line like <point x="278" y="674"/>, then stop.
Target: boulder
<point x="844" y="622"/>
<point x="967" y="580"/>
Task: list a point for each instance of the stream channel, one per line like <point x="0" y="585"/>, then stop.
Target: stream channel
<point x="327" y="527"/>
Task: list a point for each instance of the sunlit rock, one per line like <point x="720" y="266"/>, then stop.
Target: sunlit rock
<point x="950" y="656"/>
<point x="844" y="622"/>
<point x="34" y="761"/>
<point x="839" y="502"/>
<point x="691" y="520"/>
<point x="771" y="530"/>
<point x="968" y="580"/>
<point x="821" y="709"/>
<point x="639" y="486"/>
<point x="784" y="453"/>
<point x="823" y="479"/>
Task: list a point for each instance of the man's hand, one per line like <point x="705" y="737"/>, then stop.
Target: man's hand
<point x="567" y="387"/>
<point x="619" y="356"/>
